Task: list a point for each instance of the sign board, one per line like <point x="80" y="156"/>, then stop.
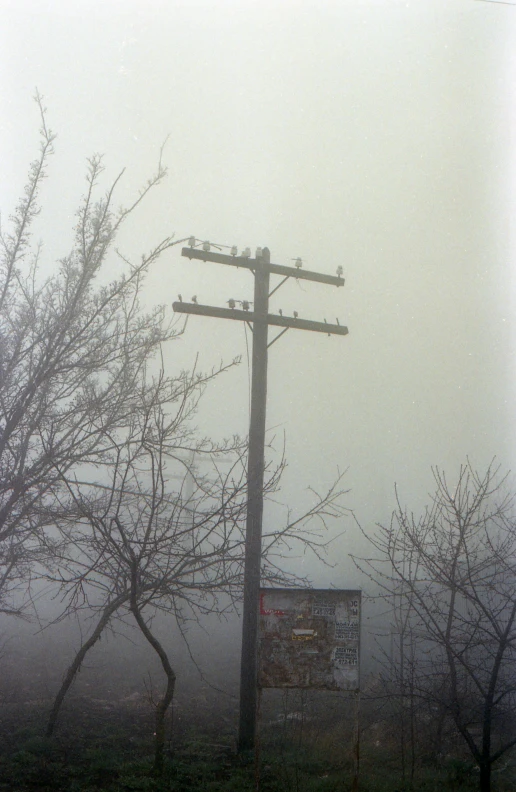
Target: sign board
<point x="309" y="638"/>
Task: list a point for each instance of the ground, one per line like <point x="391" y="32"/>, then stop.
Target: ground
<point x="104" y="742"/>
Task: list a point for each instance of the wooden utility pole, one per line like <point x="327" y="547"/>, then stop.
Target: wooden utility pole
<point x="260" y="318"/>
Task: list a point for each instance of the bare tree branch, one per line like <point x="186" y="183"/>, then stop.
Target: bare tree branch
<point x="448" y="577"/>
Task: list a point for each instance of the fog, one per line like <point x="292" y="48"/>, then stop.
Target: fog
<point x="374" y="135"/>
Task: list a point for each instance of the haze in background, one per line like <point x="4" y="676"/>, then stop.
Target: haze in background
<point x="375" y="135"/>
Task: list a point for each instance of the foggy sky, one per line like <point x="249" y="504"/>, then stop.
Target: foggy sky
<point x="375" y="135"/>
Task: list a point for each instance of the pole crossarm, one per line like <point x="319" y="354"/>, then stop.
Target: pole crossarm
<point x="250" y="264"/>
<point x="248" y="316"/>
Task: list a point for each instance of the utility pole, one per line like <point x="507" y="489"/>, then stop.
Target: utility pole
<point x="260" y="318"/>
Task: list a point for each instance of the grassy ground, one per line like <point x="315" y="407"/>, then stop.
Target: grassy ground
<point x="40" y="765"/>
<point x="104" y="745"/>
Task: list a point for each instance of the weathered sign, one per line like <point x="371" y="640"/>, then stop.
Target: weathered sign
<point x="309" y="638"/>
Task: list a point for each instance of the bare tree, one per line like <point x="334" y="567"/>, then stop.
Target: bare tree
<point x="139" y="546"/>
<point x="74" y="357"/>
<point x="453" y="572"/>
<point x="90" y="429"/>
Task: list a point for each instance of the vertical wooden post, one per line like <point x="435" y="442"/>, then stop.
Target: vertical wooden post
<point x="255" y="476"/>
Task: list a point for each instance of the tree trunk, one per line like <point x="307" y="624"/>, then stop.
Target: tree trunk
<point x="485" y="777"/>
<point x="164" y="703"/>
<point x="78" y="660"/>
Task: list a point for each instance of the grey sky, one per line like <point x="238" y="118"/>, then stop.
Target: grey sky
<point x="376" y="135"/>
